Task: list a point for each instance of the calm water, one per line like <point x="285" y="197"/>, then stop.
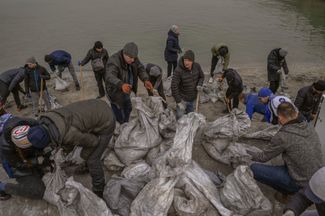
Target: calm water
<point x="250" y="27"/>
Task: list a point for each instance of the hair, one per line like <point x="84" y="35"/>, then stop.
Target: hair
<point x="287" y="110"/>
<point x="47" y="58"/>
<point x="98" y="45"/>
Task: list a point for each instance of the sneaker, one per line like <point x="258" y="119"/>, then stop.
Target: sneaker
<point x="4" y="196"/>
<point x="21" y="107"/>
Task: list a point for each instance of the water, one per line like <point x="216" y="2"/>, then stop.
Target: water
<point x="250" y="27"/>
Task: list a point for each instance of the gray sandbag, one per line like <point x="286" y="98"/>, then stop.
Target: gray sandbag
<point x="167" y="86"/>
<point x="112" y="163"/>
<point x="265" y="134"/>
<point x="74" y="156"/>
<point x="242" y="194"/>
<point x="159" y="151"/>
<point x="167" y="124"/>
<point x="77" y="200"/>
<point x="142" y="132"/>
<point x="60" y="84"/>
<point x="139" y="170"/>
<point x="53" y="101"/>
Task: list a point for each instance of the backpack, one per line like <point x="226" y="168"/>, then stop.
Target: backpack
<point x="97" y="64"/>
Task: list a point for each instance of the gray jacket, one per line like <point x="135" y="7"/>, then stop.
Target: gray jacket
<point x="117" y="74"/>
<point x="184" y="82"/>
<point x="92" y="54"/>
<point x="13" y="77"/>
<point x="300" y="147"/>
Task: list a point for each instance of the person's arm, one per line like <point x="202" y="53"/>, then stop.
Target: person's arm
<point x="78" y="138"/>
<point x="44" y="74"/>
<point x="298" y="203"/>
<point x="227" y="60"/>
<point x="26" y="83"/>
<point x="105" y="58"/>
<point x="142" y="73"/>
<point x="176" y="80"/>
<point x="201" y="76"/>
<point x="86" y="59"/>
<point x="285" y="67"/>
<point x="316" y="107"/>
<point x="275" y="148"/>
<point x="170" y="46"/>
<point x="250" y="109"/>
<point x="299" y="101"/>
<point x="16" y="80"/>
<point x="111" y="76"/>
<point x="158" y="82"/>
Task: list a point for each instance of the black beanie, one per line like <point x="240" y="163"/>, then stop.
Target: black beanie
<point x="98" y="45"/>
<point x="47" y="58"/>
<point x="189" y="54"/>
<point x="319" y="85"/>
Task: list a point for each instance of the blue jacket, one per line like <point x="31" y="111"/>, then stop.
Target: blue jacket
<point x="172" y="47"/>
<point x="254" y="105"/>
<point x="60" y="57"/>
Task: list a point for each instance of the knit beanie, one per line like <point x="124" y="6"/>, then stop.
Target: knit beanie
<point x="189" y="55"/>
<point x="131" y="50"/>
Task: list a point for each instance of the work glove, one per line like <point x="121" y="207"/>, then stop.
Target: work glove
<point x="79" y="63"/>
<point x="289" y="213"/>
<point x="126" y="88"/>
<point x="2" y="186"/>
<point x="199" y="88"/>
<point x="155" y="92"/>
<point x="181" y="106"/>
<point x="148" y="85"/>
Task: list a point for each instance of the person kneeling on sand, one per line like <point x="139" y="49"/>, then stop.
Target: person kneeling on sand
<point x="89" y="124"/>
<point x="299" y="145"/>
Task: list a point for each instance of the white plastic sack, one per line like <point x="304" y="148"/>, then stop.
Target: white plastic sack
<point x="54" y="103"/>
<point x="167" y="86"/>
<point x="60" y="84"/>
<point x="242" y="194"/>
<point x="112" y="163"/>
<point x="74" y="156"/>
<point x="265" y="134"/>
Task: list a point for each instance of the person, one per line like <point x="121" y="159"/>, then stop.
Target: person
<point x="313" y="193"/>
<point x="235" y="88"/>
<point x="187" y="81"/>
<point x="172" y="49"/>
<point x="121" y="78"/>
<point x="299" y="144"/>
<point x="253" y="104"/>
<point x="155" y="77"/>
<point x="35" y="84"/>
<point x="308" y="99"/>
<point x="10" y="82"/>
<point x="275" y="61"/>
<point x="88" y="124"/>
<point x="220" y="55"/>
<point x="98" y="57"/>
<point x="62" y="59"/>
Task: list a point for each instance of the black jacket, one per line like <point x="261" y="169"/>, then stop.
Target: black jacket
<point x="93" y="54"/>
<point x="299" y="203"/>
<point x="13" y="77"/>
<point x="156" y="81"/>
<point x="172" y="47"/>
<point x="274" y="63"/>
<point x="79" y="124"/>
<point x="234" y="80"/>
<point x="8" y="149"/>
<point x="307" y="101"/>
<point x="117" y="74"/>
<point x="33" y="78"/>
<point x="184" y="82"/>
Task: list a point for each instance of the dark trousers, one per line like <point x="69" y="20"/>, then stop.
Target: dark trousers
<point x="122" y="114"/>
<point x="99" y="76"/>
<point x="274" y="85"/>
<point x="234" y="95"/>
<point x="275" y="176"/>
<point x="95" y="165"/>
<point x="4" y="93"/>
<point x="30" y="186"/>
<point x="214" y="62"/>
<point x="171" y="67"/>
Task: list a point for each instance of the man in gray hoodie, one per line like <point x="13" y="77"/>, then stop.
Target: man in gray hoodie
<point x="299" y="145"/>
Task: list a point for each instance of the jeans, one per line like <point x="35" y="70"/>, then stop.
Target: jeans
<point x="171" y="66"/>
<point x="275" y="176"/>
<point x="122" y="114"/>
<point x="189" y="107"/>
<point x="99" y="76"/>
<point x="71" y="71"/>
<point x="274" y="85"/>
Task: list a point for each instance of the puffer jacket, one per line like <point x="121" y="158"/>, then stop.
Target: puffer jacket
<point x="79" y="124"/>
<point x="172" y="47"/>
<point x="117" y="74"/>
<point x="299" y="144"/>
<point x="184" y="82"/>
<point x="274" y="63"/>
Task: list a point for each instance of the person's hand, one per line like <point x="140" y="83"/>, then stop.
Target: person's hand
<point x="199" y="88"/>
<point x="181" y="106"/>
<point x="126" y="88"/>
<point x="155" y="92"/>
<point x="289" y="213"/>
<point x="279" y="72"/>
<point x="148" y="85"/>
<point x="313" y="116"/>
<point x="180" y="51"/>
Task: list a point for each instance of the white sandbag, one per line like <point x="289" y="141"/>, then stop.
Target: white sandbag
<point x="142" y="132"/>
<point x="112" y="163"/>
<point x="74" y="156"/>
<point x="242" y="194"/>
<point x="265" y="134"/>
<point x="167" y="124"/>
<point x="53" y="101"/>
<point x="167" y="86"/>
<point x="139" y="170"/>
<point x="60" y="84"/>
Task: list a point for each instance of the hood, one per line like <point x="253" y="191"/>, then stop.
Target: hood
<point x="300" y="128"/>
<point x="173" y="34"/>
<point x="181" y="63"/>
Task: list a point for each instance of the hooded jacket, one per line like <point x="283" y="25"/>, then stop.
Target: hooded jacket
<point x="117" y="73"/>
<point x="274" y="63"/>
<point x="13" y="77"/>
<point x="184" y="82"/>
<point x="172" y="47"/>
<point x="299" y="144"/>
